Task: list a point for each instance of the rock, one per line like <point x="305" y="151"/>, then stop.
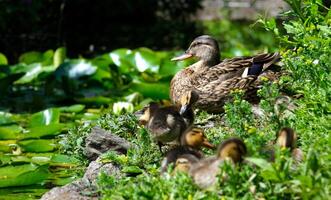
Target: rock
<point x="96" y="167"/>
<point x="67" y="192"/>
<point x="100" y="141"/>
<point x="84" y="188"/>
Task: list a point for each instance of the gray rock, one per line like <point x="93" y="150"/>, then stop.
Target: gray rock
<point x="84" y="188"/>
<point x="100" y="141"/>
<point x="96" y="167"/>
<point x="67" y="192"/>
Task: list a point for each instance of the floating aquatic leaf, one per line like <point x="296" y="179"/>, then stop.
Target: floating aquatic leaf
<point x="10" y="132"/>
<point x="145" y="59"/>
<point x="72" y="109"/>
<point x="59" y="56"/>
<point x="3" y="59"/>
<point x="152" y="90"/>
<point x="38" y="145"/>
<point x="42" y="131"/>
<point x="6" y="118"/>
<point x="45" y="117"/>
<point x="21" y="175"/>
<point x="5" y="145"/>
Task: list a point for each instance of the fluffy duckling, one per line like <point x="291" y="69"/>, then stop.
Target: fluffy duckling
<point x="195" y="138"/>
<point x="182" y="156"/>
<point x="287" y="138"/>
<point x="204" y="172"/>
<point x="165" y="124"/>
<point x="191" y="142"/>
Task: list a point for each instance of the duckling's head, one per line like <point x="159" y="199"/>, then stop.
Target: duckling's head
<point x="195" y="138"/>
<point x="146" y="113"/>
<point x="204" y="48"/>
<point x="187" y="100"/>
<point x="233" y="149"/>
<point x="286" y="138"/>
<point x="182" y="165"/>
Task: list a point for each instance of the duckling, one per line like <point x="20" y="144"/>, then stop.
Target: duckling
<point x="287" y="138"/>
<point x="182" y="157"/>
<point x="213" y="79"/>
<point x="195" y="138"/>
<point x="190" y="143"/>
<point x="164" y="123"/>
<point x="204" y="172"/>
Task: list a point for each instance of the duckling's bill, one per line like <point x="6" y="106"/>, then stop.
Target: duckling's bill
<point x="182" y="57"/>
<point x="207" y="144"/>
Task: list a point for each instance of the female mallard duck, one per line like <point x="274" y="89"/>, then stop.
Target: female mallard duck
<point x="212" y="79"/>
<point x="204" y="172"/>
<point x="166" y="124"/>
<point x="287" y="138"/>
<point x="191" y="142"/>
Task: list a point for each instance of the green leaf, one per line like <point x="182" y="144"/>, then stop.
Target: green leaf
<point x="10" y="132"/>
<point x="21" y="175"/>
<point x="132" y="170"/>
<point x="146" y="60"/>
<point x="152" y="90"/>
<point x="42" y="131"/>
<point x="169" y="68"/>
<point x="39" y="145"/>
<point x="32" y="71"/>
<point x="63" y="160"/>
<point x="59" y="56"/>
<point x="5" y="145"/>
<point x="262" y="163"/>
<point x="123" y="59"/>
<point x="6" y="118"/>
<point x="31" y="57"/>
<point x="72" y="109"/>
<point x="45" y="117"/>
<point x="3" y="59"/>
<point x="75" y="69"/>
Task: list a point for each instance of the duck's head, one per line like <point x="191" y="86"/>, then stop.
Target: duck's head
<point x="146" y="113"/>
<point x="204" y="48"/>
<point x="286" y="138"/>
<point x="233" y="149"/>
<point x="187" y="100"/>
<point x="195" y="138"/>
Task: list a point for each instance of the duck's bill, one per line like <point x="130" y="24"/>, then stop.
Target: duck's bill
<point x="183" y="109"/>
<point x="207" y="144"/>
<point x="182" y="57"/>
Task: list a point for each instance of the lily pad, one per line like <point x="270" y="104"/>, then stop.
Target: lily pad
<point x="21" y="175"/>
<point x="72" y="109"/>
<point x="10" y="132"/>
<point x="145" y="59"/>
<point x="45" y="117"/>
<point x="152" y="90"/>
<point x="39" y="145"/>
<point x="3" y="59"/>
<point x="42" y="131"/>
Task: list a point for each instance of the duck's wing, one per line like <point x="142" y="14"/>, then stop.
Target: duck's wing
<point x="255" y="64"/>
<point x="237" y="71"/>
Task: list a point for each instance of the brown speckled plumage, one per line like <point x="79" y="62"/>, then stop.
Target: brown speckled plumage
<point x="213" y="81"/>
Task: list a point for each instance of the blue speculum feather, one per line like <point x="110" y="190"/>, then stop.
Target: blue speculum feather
<point x="256" y="69"/>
